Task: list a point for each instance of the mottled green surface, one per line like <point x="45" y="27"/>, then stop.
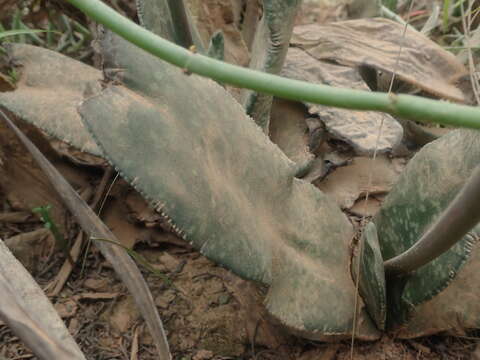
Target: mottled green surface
<point x="158" y="17"/>
<point x="48" y="92"/>
<point x="155" y="16"/>
<point x="372" y="276"/>
<point x="426" y="187"/>
<point x="188" y="147"/>
<point x="269" y="50"/>
<point x="216" y="48"/>
<point x="456" y="308"/>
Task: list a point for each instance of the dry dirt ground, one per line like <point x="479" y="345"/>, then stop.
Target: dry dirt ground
<point x="208" y="312"/>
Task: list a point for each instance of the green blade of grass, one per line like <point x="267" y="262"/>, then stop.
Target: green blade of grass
<point x="446" y="14"/>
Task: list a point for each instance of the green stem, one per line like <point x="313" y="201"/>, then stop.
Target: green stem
<point x="446" y="15"/>
<point x="406" y="106"/>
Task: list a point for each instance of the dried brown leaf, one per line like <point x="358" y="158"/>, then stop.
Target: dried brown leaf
<point x="347" y="184"/>
<point x="375" y="43"/>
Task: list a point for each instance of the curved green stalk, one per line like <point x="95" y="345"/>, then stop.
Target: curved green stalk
<point x="406" y="106"/>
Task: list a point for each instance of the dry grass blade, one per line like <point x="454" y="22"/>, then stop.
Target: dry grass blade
<point x="432" y="21"/>
<point x="123" y="264"/>
<point x="30" y="315"/>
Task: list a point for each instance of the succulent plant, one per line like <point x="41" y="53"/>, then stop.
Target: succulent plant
<point x="204" y="165"/>
<point x="428" y="185"/>
<point x="269" y="51"/>
<point x="211" y="171"/>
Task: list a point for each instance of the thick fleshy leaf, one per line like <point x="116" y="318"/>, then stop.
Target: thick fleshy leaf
<point x="188" y="147"/>
<point x="372" y="285"/>
<point x="213" y="16"/>
<point x="48" y="92"/>
<point x="456" y="308"/>
<point x="171" y="20"/>
<point x="216" y="46"/>
<point x="426" y="187"/>
<point x="269" y="50"/>
<point x="156" y="17"/>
